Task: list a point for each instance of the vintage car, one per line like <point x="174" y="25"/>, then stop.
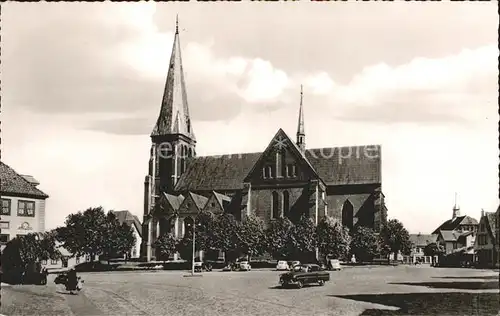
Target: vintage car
<point x="282" y="265"/>
<point x="304" y="274"/>
<point x="245" y="266"/>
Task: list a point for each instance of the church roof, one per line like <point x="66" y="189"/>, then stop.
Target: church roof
<point x="174" y="113"/>
<point x="14" y="183"/>
<point x="347" y="165"/>
<point x="334" y="165"/>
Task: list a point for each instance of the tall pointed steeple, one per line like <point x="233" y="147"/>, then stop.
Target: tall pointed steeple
<point x="174" y="113"/>
<point x="301" y="135"/>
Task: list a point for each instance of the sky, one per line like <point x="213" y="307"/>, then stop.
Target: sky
<point x="82" y="85"/>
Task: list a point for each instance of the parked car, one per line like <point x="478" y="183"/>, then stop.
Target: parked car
<point x="245" y="266"/>
<point x="334" y="264"/>
<point x="282" y="265"/>
<point x="292" y="264"/>
<point x="304" y="274"/>
<point x="202" y="266"/>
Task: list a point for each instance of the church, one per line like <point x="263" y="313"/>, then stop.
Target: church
<point x="286" y="179"/>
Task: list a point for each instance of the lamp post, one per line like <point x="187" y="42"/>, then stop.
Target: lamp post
<point x="194" y="245"/>
<point x="194" y="248"/>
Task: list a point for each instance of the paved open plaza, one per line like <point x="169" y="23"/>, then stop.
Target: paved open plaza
<point x="379" y="290"/>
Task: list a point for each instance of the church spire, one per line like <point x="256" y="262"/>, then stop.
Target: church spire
<point x="174" y="113"/>
<point x="301" y="135"/>
<point x="456" y="208"/>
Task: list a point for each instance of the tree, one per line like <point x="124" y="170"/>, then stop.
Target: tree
<point x="434" y="249"/>
<point x="303" y="239"/>
<point x="111" y="236"/>
<point x="84" y="232"/>
<point x="165" y="246"/>
<point x="127" y="240"/>
<point x="225" y="234"/>
<point x="278" y="237"/>
<point x="251" y="236"/>
<point x="205" y="231"/>
<point x="333" y="239"/>
<point x="364" y="244"/>
<point x="394" y="238"/>
<point x="26" y="251"/>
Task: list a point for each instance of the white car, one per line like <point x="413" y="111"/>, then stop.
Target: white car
<point x="245" y="266"/>
<point x="282" y="265"/>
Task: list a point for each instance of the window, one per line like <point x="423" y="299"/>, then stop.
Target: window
<point x="4" y="225"/>
<point x="4" y="238"/>
<point x="77" y="260"/>
<point x="53" y="261"/>
<point x="44" y="262"/>
<point x="291" y="171"/>
<point x="275" y="212"/>
<point x="26" y="208"/>
<point x="286" y="203"/>
<point x="348" y="214"/>
<point x="5" y="207"/>
<point x="268" y="172"/>
<point x="212" y="204"/>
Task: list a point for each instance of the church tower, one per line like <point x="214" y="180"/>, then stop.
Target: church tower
<point x="173" y="140"/>
<point x="301" y="135"/>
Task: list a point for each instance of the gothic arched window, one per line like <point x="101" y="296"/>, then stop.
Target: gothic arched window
<point x="188" y="225"/>
<point x="347" y="214"/>
<point x="286" y="203"/>
<point x="275" y="210"/>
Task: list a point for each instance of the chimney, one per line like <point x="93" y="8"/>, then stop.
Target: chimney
<point x="34" y="182"/>
<point x="482" y="212"/>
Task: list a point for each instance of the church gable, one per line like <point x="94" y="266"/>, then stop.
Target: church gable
<point x="281" y="161"/>
<point x="168" y="204"/>
<point x="217" y="203"/>
<point x="192" y="204"/>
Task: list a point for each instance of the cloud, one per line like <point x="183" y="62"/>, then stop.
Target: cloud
<point x="423" y="90"/>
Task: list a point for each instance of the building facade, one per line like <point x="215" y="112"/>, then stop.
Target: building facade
<point x="486" y="243"/>
<point x="134" y="222"/>
<point x="419" y="242"/>
<point x="285" y="179"/>
<point x="23" y="205"/>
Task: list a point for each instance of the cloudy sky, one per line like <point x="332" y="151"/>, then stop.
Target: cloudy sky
<point x="82" y="86"/>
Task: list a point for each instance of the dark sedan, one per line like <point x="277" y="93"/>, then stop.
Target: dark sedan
<point x="304" y="274"/>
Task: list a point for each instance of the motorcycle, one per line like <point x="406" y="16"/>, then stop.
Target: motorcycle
<point x="63" y="279"/>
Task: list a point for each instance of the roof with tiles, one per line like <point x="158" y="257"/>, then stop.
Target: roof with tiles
<point x="452" y="224"/>
<point x="129" y="218"/>
<point x="174" y="200"/>
<point x="221" y="198"/>
<point x="449" y="235"/>
<point x="335" y="166"/>
<point x="422" y="240"/>
<point x="13" y="183"/>
<point x="199" y="200"/>
<point x="492" y="223"/>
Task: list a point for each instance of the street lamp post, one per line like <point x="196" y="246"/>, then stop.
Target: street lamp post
<point x="194" y="249"/>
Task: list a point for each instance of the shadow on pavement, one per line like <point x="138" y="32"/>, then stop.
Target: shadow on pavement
<point x="475" y="285"/>
<point x="452" y="303"/>
<point x="486" y="277"/>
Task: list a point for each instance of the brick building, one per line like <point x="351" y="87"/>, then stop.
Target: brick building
<point x="286" y="179"/>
